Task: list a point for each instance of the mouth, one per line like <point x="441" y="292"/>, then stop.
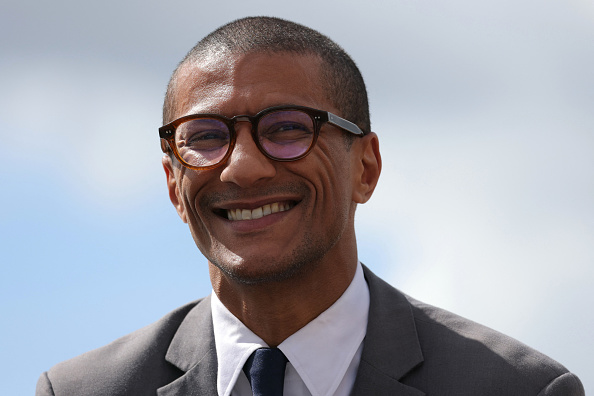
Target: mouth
<point x="257" y="213"/>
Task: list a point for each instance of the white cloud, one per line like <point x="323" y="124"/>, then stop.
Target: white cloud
<point x="93" y="121"/>
<point x="492" y="221"/>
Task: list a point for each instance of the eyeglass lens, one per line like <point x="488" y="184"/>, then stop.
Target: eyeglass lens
<point x="283" y="134"/>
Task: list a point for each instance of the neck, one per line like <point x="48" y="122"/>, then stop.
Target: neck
<point x="277" y="309"/>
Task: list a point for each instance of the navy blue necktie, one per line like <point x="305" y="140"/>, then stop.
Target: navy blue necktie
<point x="265" y="369"/>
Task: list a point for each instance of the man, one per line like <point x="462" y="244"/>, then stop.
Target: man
<point x="268" y="152"/>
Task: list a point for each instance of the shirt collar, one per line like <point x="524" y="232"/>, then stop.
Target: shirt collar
<point x="320" y="352"/>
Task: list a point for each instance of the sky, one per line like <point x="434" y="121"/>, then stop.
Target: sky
<point x="484" y="112"/>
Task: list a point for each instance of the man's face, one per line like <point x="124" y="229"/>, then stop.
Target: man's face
<point x="315" y="192"/>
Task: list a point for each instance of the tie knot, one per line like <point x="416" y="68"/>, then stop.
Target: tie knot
<point x="265" y="370"/>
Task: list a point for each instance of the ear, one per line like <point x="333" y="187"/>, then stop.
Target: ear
<point x="172" y="186"/>
<point x="367" y="169"/>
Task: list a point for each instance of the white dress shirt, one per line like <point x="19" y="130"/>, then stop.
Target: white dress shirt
<point x="323" y="356"/>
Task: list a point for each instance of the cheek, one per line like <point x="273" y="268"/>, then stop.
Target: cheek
<point x="330" y="174"/>
<point x="192" y="183"/>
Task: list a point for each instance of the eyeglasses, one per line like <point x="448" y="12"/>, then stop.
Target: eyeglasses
<point x="282" y="133"/>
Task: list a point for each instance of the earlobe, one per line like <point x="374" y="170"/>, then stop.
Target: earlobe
<point x="367" y="169"/>
<point x="172" y="187"/>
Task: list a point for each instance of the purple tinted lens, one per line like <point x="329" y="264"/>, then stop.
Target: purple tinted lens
<point x="286" y="134"/>
<point x="203" y="141"/>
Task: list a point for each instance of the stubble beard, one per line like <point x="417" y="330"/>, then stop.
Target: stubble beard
<point x="303" y="260"/>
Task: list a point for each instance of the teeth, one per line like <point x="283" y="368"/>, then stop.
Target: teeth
<point x="257" y="213"/>
<point x="266" y="210"/>
<point x="246" y="214"/>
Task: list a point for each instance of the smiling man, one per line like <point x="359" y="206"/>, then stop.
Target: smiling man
<point x="268" y="151"/>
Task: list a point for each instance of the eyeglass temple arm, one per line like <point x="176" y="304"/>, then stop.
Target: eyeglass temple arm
<point x="344" y="124"/>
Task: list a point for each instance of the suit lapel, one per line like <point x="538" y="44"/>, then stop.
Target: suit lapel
<point x="391" y="348"/>
<point x="193" y="351"/>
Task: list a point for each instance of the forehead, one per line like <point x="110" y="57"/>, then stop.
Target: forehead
<point x="248" y="83"/>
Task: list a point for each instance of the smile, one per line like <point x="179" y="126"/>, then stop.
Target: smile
<point x="252" y="214"/>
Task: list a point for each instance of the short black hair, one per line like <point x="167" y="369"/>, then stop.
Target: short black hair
<point x="340" y="75"/>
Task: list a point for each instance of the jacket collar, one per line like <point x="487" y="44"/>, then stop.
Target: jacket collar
<point x="192" y="350"/>
<point x="391" y="348"/>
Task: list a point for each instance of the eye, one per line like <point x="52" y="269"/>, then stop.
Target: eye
<point x="286" y="132"/>
<point x="206" y="141"/>
<point x="206" y="135"/>
<point x="290" y="126"/>
<point x="202" y="135"/>
<point x="285" y="127"/>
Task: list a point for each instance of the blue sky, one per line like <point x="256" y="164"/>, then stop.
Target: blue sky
<point x="484" y="112"/>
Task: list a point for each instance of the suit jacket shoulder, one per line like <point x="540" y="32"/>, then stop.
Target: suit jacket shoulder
<point x="410" y="349"/>
<point x="132" y="365"/>
<point x="489" y="362"/>
<point x="441" y="353"/>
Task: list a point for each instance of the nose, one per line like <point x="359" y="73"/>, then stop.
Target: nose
<point x="247" y="165"/>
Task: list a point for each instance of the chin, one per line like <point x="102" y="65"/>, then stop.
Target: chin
<point x="256" y="273"/>
<point x="255" y="268"/>
<point x="262" y="270"/>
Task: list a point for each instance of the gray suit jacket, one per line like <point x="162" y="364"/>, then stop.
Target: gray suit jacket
<point x="411" y="349"/>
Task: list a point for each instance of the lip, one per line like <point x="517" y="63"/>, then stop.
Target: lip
<point x="246" y="226"/>
<point x="254" y="224"/>
<point x="253" y="204"/>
